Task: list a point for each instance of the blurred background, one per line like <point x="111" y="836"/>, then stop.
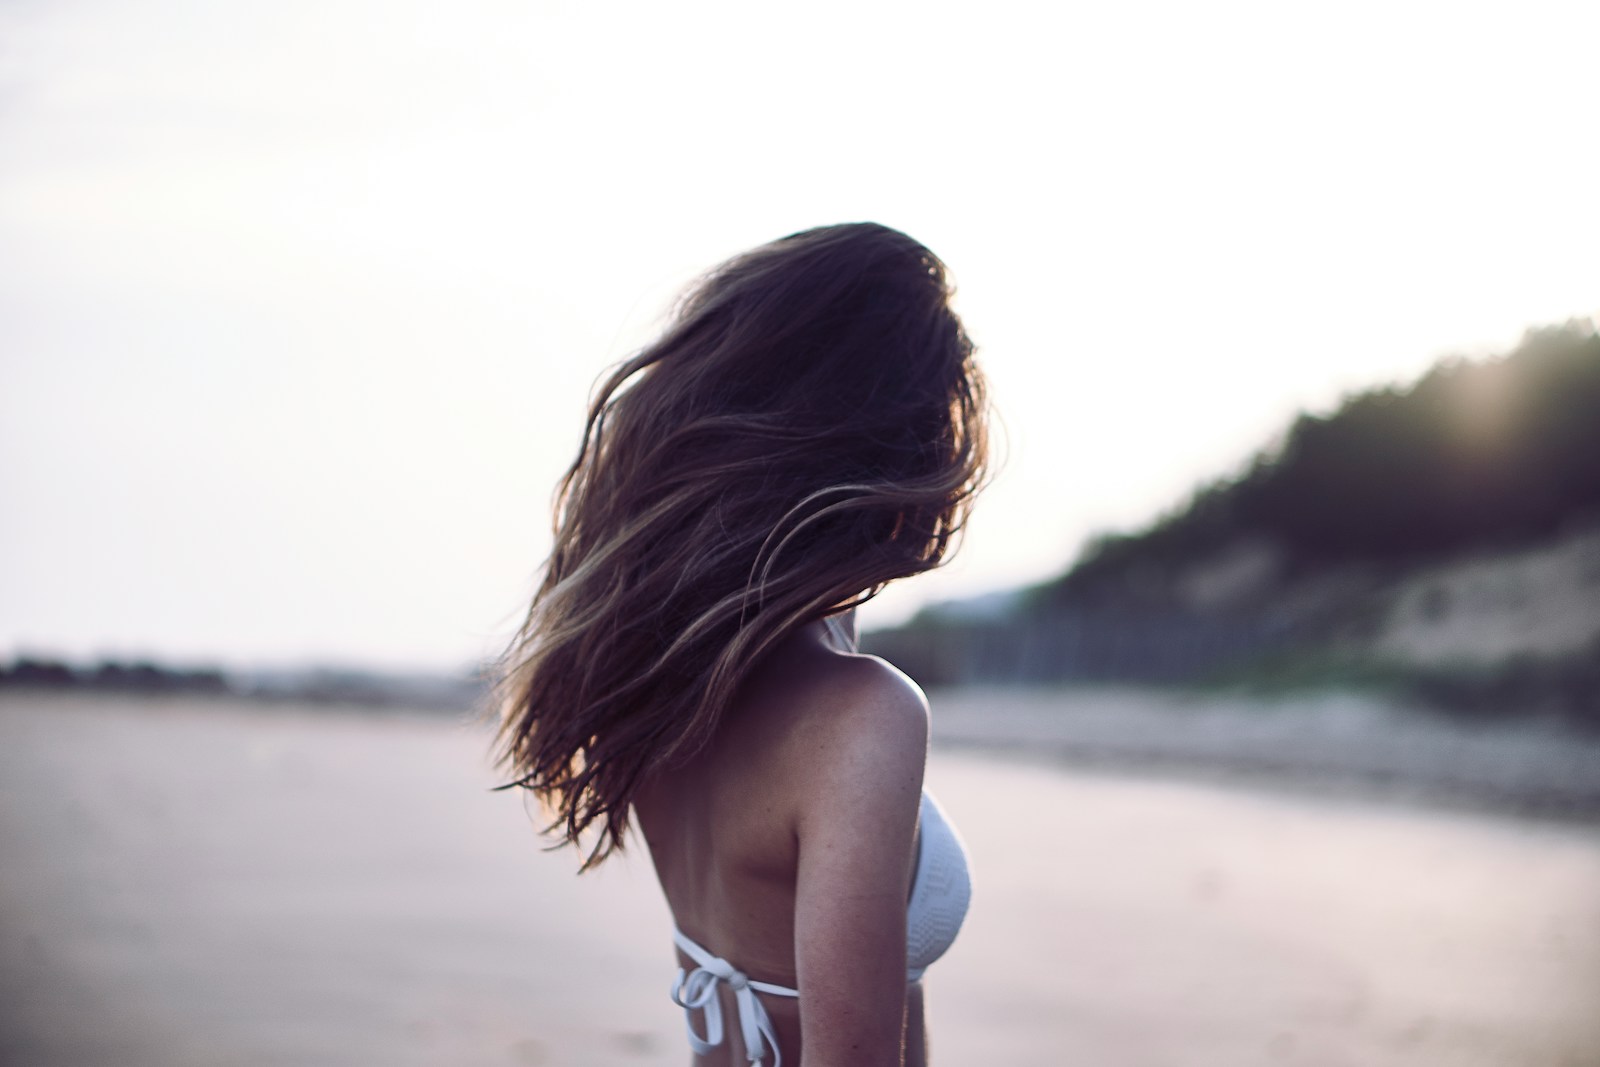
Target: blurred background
<point x="1284" y="606"/>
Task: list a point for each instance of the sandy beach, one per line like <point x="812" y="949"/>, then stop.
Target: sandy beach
<point x="208" y="883"/>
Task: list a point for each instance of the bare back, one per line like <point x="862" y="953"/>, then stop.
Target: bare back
<point x="786" y="846"/>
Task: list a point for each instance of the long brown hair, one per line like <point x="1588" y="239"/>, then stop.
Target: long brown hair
<point x="809" y="428"/>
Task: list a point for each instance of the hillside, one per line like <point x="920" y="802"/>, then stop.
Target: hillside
<point x="1441" y="537"/>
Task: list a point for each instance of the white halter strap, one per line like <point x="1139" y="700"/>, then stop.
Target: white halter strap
<point x="697" y="991"/>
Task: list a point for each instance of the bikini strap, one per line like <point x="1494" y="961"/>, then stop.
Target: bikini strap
<point x="696" y="990"/>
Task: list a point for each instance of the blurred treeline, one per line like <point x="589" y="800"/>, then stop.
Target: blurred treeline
<point x="1290" y="569"/>
<point x="139" y="676"/>
<point x="452" y="693"/>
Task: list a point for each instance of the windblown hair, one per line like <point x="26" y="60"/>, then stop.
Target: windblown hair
<point x="809" y="428"/>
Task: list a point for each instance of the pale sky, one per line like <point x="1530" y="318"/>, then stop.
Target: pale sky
<point x="301" y="302"/>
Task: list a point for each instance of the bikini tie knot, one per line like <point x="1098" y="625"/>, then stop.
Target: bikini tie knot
<point x="696" y="991"/>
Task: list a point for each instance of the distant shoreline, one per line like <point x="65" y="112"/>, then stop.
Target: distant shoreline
<point x="465" y="690"/>
<point x="1332" y="746"/>
<point x="265" y="703"/>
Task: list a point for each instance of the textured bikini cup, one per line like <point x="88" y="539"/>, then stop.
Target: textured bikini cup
<point x="940" y="892"/>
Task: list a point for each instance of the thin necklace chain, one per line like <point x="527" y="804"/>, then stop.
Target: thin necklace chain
<point x="840" y="635"/>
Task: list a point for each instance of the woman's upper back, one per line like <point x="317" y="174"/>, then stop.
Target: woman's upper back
<point x="787" y="844"/>
<point x="724" y="829"/>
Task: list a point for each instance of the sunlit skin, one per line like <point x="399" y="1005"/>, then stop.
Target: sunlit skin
<point x="787" y="846"/>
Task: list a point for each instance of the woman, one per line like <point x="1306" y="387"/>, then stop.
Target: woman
<point x="810" y="428"/>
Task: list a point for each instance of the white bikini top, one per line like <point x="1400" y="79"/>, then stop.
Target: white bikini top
<point x="940" y="892"/>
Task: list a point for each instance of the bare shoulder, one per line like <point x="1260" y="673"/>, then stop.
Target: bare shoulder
<point x="826" y="730"/>
<point x="862" y="702"/>
<point x="861" y="737"/>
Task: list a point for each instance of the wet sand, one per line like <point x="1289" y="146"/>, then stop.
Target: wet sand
<point x="191" y="883"/>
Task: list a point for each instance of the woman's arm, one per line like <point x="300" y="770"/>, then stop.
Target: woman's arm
<point x="857" y="822"/>
<point x="916" y="1028"/>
